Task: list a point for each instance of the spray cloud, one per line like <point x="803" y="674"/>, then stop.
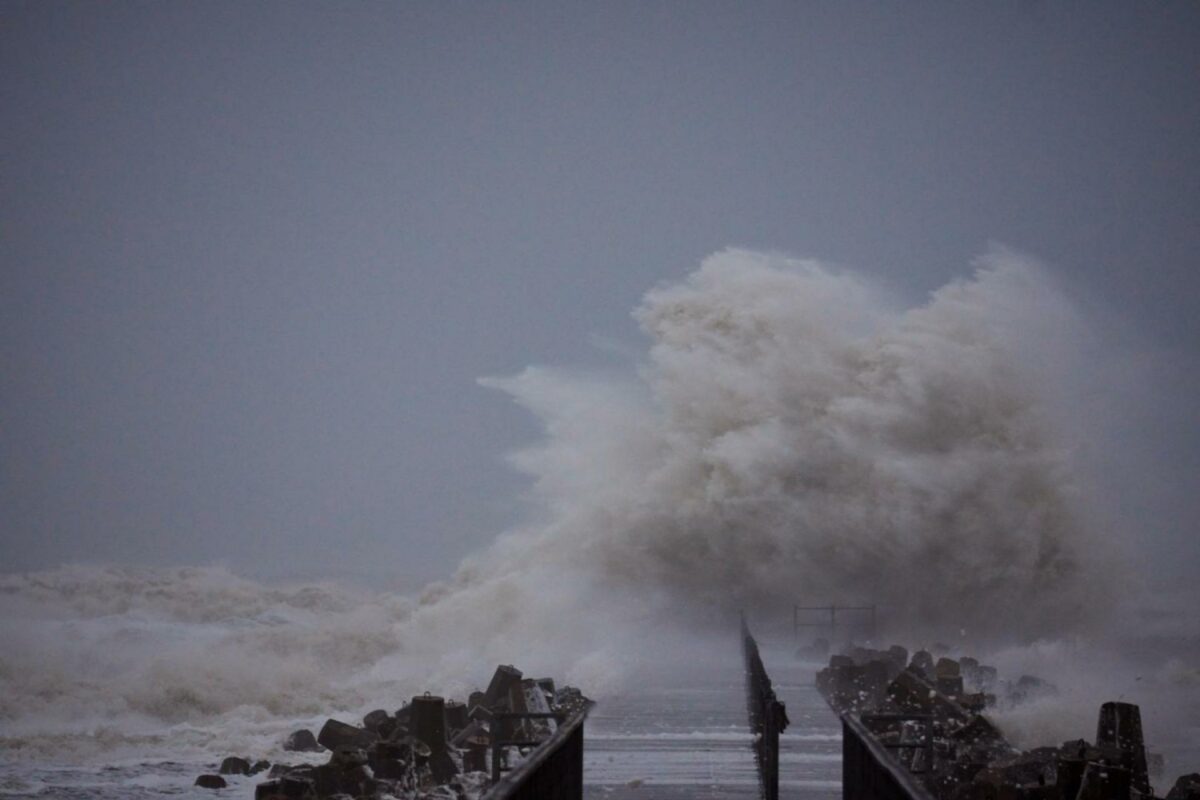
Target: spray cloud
<point x="793" y="430"/>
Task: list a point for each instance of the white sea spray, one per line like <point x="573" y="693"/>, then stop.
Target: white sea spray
<point x="792" y="428"/>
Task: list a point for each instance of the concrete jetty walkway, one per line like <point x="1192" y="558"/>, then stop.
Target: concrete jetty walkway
<point x="689" y="737"/>
<point x="810" y="750"/>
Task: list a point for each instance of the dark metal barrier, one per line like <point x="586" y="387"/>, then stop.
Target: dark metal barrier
<point x="768" y="716"/>
<point x="869" y="772"/>
<point x="552" y="771"/>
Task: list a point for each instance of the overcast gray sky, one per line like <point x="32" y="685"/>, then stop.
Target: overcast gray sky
<point x="255" y="255"/>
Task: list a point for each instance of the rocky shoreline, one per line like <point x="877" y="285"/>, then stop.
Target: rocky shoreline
<point x="431" y="748"/>
<point x="932" y="715"/>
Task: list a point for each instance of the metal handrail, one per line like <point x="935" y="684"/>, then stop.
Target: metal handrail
<point x="861" y="780"/>
<point x="768" y="716"/>
<point x="502" y="738"/>
<point x="925" y="744"/>
<point x="511" y="783"/>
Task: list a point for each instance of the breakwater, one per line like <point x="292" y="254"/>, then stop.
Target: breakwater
<point x="520" y="739"/>
<point x="916" y="728"/>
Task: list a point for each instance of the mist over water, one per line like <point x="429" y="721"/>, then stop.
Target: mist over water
<point x="792" y="430"/>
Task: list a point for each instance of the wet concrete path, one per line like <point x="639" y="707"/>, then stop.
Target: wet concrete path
<point x="689" y="737"/>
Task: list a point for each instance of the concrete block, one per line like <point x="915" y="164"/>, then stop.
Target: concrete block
<point x="1120" y="727"/>
<point x="1187" y="787"/>
<point x="505" y="677"/>
<point x="429" y="721"/>
<point x="456" y="716"/>
<point x="335" y="734"/>
<point x="302" y="741"/>
<point x="235" y="766"/>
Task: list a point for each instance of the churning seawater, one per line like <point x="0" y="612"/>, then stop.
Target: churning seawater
<point x="790" y="425"/>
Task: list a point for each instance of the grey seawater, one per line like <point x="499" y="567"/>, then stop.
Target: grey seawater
<point x="687" y="735"/>
<point x="127" y="782"/>
<point x="681" y="734"/>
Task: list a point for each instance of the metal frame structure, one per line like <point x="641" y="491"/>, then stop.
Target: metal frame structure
<point x="925" y="744"/>
<point x="832" y="624"/>
<point x="869" y="772"/>
<point x="553" y="771"/>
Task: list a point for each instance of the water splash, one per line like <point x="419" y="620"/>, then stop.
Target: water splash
<point x="791" y="429"/>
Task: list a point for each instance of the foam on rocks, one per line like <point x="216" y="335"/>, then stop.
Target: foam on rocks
<point x="932" y="716"/>
<point x="429" y="748"/>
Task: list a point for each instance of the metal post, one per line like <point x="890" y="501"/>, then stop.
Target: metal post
<point x="771" y="755"/>
<point x="498" y="735"/>
<point x="767" y="716"/>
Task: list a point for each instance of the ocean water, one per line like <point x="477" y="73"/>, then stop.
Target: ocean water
<point x="125" y="683"/>
<point x="122" y="683"/>
<point x="790" y="424"/>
